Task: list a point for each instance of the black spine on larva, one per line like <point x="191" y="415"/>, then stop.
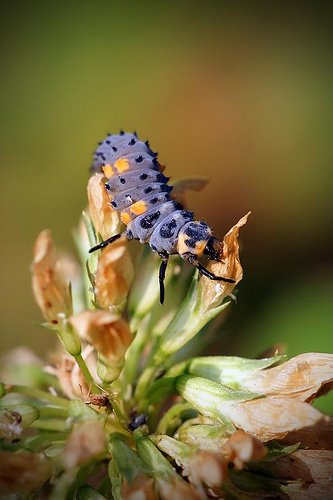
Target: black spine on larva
<point x="162" y="218"/>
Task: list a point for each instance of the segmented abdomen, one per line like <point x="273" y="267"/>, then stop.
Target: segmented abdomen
<point x="140" y="192"/>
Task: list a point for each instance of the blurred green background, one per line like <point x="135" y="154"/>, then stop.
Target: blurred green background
<point x="238" y="92"/>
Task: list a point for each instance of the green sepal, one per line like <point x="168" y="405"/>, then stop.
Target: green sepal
<point x="129" y="464"/>
<point x="153" y="458"/>
<point x="210" y="398"/>
<point x="88" y="493"/>
<point x="228" y="370"/>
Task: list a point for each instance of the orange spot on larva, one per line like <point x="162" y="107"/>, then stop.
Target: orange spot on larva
<point x="122" y="165"/>
<point x="108" y="172"/>
<point x="139" y="208"/>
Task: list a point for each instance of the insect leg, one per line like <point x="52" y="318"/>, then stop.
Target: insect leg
<point x="161" y="276"/>
<point x="105" y="243"/>
<point x="212" y="276"/>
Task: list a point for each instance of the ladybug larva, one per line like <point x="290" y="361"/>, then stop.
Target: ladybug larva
<point x="141" y="193"/>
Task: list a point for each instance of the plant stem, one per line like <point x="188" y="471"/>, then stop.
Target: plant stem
<point x="51" y="424"/>
<point x="130" y="369"/>
<point x="87" y="375"/>
<point x="38" y="394"/>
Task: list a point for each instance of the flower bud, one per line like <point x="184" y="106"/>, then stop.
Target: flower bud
<point x="105" y="220"/>
<point x="114" y="276"/>
<point x="48" y="281"/>
<point x="206" y="436"/>
<point x="211" y="399"/>
<point x="231" y="370"/>
<point x="242" y="448"/>
<point x="109" y="335"/>
<point x="200" y="466"/>
<point x="141" y="488"/>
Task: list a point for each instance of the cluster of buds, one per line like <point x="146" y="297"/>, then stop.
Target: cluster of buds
<point x="127" y="408"/>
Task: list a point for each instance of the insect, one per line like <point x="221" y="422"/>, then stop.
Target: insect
<point x="140" y="192"/>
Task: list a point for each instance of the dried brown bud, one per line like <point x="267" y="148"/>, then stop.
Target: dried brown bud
<point x="86" y="442"/>
<point x="48" y="281"/>
<point x="23" y="472"/>
<point x="105" y="220"/>
<point x="114" y="276"/>
<point x="208" y="468"/>
<point x="177" y="489"/>
<point x="109" y="334"/>
<point x="242" y="448"/>
<point x="141" y="488"/>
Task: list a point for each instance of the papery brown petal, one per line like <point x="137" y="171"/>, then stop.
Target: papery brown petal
<point x="142" y="488"/>
<point x="187" y="184"/>
<point x="109" y="334"/>
<point x="272" y="417"/>
<point x="23" y="471"/>
<point x="314" y="491"/>
<point x="48" y="281"/>
<point x="311" y="466"/>
<point x="114" y="276"/>
<point x="316" y="437"/>
<point x="213" y="292"/>
<point x="105" y="220"/>
<point x="302" y="377"/>
<point x="242" y="448"/>
<point x="86" y="442"/>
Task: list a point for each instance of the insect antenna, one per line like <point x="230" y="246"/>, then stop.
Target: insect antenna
<point x="105" y="243"/>
<point x="212" y="276"/>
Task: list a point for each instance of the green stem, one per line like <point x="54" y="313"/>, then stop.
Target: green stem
<point x="143" y="382"/>
<point x="174" y="417"/>
<point x="51" y="424"/>
<point x="87" y="375"/>
<point x="133" y="354"/>
<point x="37" y="394"/>
<point x="52" y="411"/>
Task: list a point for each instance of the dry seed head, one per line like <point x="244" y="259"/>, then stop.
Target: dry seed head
<point x="48" y="281"/>
<point x="105" y="220"/>
<point x="114" y="276"/>
<point x="109" y="334"/>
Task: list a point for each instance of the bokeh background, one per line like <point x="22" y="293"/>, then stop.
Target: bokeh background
<point x="238" y="92"/>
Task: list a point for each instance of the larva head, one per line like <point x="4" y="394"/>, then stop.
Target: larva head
<point x="192" y="240"/>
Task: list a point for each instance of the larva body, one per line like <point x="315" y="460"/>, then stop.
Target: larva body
<point x="141" y="193"/>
